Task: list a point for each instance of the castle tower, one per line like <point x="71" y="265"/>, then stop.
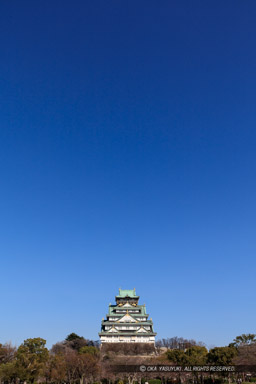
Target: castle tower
<point x="127" y="321"/>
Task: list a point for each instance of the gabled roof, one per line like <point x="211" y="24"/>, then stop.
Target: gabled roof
<point x="127" y="319"/>
<point x="127" y="293"/>
<point x="138" y="322"/>
<point x="112" y="308"/>
<point x="112" y="330"/>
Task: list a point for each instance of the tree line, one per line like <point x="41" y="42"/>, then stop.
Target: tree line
<point x="177" y="343"/>
<point x="77" y="360"/>
<point x="188" y="352"/>
<point x="74" y="360"/>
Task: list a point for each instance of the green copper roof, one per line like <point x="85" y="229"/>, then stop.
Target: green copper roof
<point x="113" y="308"/>
<point x="127" y="313"/>
<point x="127" y="292"/>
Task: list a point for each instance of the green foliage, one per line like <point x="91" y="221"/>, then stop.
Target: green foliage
<point x="177" y="356"/>
<point x="196" y="355"/>
<point x="75" y="342"/>
<point x="79" y="360"/>
<point x="90" y="350"/>
<point x="8" y="372"/>
<point x="244" y="339"/>
<point x="222" y="355"/>
<point x="192" y="356"/>
<point x="73" y="336"/>
<point x="154" y="381"/>
<point x="32" y="356"/>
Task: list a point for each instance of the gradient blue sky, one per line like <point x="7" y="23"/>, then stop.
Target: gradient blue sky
<point x="127" y="159"/>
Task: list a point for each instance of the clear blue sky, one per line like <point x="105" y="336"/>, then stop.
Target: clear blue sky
<point x="127" y="159"/>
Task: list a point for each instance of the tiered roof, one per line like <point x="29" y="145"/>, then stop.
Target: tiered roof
<point x="127" y="318"/>
<point x="129" y="293"/>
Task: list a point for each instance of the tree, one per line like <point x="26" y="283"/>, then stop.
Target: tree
<point x="177" y="356"/>
<point x="246" y="355"/>
<point x="32" y="356"/>
<point x="59" y="348"/>
<point x="56" y="369"/>
<point x="8" y="372"/>
<point x="73" y="336"/>
<point x="244" y="339"/>
<point x="196" y="355"/>
<point x="222" y="355"/>
<point x="75" y="342"/>
<point x="89" y="350"/>
<point x="71" y="365"/>
<point x="192" y="356"/>
<point x="7" y="353"/>
<point x="177" y="343"/>
<point x="87" y="367"/>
